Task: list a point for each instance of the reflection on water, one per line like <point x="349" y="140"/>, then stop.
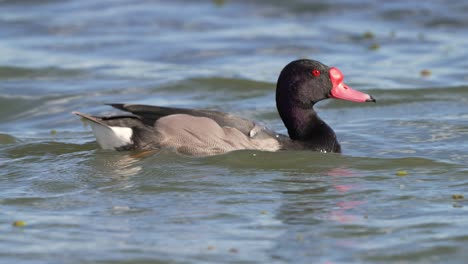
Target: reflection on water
<point x="309" y="202"/>
<point x="119" y="167"/>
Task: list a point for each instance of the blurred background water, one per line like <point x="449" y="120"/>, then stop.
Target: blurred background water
<point x="395" y="195"/>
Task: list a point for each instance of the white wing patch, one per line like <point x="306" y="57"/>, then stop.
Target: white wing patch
<point x="255" y="130"/>
<point x="112" y="137"/>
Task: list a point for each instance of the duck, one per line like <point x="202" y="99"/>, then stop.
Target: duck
<point x="199" y="132"/>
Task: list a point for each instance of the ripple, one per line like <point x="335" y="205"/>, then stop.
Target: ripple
<point x="245" y="206"/>
<point x="12" y="72"/>
<point x="7" y="139"/>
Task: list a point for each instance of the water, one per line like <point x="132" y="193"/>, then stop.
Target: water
<point x="85" y="205"/>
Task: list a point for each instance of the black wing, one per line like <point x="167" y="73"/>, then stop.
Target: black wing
<point x="149" y="114"/>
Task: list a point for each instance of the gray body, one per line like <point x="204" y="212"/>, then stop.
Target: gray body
<point x="187" y="131"/>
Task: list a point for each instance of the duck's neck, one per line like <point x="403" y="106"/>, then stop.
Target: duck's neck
<point x="309" y="130"/>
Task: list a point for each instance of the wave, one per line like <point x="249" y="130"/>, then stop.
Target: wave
<point x="13" y="72"/>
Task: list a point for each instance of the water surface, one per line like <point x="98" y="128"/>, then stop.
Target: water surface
<point x="388" y="198"/>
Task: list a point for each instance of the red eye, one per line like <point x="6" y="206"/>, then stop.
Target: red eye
<point x="316" y="72"/>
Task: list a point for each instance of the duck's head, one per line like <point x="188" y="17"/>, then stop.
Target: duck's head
<point x="302" y="83"/>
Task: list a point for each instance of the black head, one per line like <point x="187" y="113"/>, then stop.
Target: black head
<point x="300" y="85"/>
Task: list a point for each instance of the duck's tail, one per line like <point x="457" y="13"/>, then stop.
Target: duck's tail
<point x="107" y="136"/>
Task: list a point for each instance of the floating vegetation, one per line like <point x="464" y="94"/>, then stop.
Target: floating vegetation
<point x="53" y="132"/>
<point x="401" y="173"/>
<point x="219" y="3"/>
<point x="426" y="72"/>
<point x="458" y="197"/>
<point x="19" y="223"/>
<point x="374" y="46"/>
<point x="368" y="35"/>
